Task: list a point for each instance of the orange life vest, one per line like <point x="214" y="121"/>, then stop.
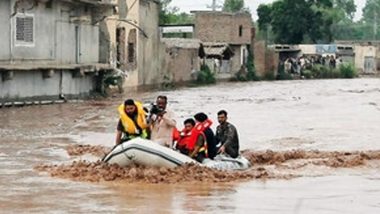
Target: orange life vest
<point x="191" y="140"/>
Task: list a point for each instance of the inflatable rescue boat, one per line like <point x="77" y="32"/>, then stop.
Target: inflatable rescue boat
<point x="148" y="153"/>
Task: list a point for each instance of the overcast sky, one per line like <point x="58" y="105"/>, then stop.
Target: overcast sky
<point x="188" y="5"/>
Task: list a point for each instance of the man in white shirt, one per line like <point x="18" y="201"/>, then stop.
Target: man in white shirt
<point x="162" y="122"/>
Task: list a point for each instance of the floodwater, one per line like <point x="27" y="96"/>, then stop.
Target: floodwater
<point x="324" y="115"/>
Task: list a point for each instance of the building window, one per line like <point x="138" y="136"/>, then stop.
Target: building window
<point x="131" y="52"/>
<point x="120" y="47"/>
<point x="241" y="30"/>
<point x="24" y="29"/>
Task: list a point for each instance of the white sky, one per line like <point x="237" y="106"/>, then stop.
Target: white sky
<point x="188" y="5"/>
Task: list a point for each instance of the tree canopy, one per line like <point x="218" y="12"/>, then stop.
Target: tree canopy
<point x="317" y="21"/>
<point x="233" y="5"/>
<point x="171" y="15"/>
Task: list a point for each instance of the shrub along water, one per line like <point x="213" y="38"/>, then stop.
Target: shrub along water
<point x="205" y="76"/>
<point x="323" y="72"/>
<point x="347" y="71"/>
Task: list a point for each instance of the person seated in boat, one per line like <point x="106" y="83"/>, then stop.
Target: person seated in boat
<point x="162" y="122"/>
<point x="132" y="122"/>
<point x="183" y="137"/>
<point x="191" y="141"/>
<point x="204" y="125"/>
<point x="227" y="135"/>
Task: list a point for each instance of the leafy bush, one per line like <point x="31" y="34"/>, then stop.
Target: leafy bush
<point x="323" y="72"/>
<point x="308" y="74"/>
<point x="347" y="71"/>
<point x="250" y="74"/>
<point x="251" y="68"/>
<point x="205" y="76"/>
<point x="282" y="75"/>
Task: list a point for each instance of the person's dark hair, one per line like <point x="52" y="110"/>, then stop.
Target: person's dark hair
<point x="129" y="102"/>
<point x="222" y="112"/>
<point x="163" y="97"/>
<point x="190" y="120"/>
<point x="201" y="117"/>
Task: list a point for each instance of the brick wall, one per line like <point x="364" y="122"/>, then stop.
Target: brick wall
<point x="265" y="60"/>
<point x="223" y="27"/>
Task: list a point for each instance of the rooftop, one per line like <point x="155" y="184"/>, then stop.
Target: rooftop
<point x="182" y="43"/>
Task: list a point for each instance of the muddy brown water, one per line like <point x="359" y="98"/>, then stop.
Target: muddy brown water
<point x="333" y="124"/>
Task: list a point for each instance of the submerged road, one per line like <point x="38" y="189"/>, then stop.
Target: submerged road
<point x="326" y="115"/>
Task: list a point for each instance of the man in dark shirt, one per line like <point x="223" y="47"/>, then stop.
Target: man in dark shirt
<point x="227" y="135"/>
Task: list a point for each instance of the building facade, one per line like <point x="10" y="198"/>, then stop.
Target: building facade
<point x="50" y="49"/>
<point x="130" y="41"/>
<point x="182" y="59"/>
<point x="233" y="29"/>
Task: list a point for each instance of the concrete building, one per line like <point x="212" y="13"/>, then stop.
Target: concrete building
<point x="50" y="49"/>
<point x="367" y="55"/>
<point x="233" y="29"/>
<point x="130" y="41"/>
<point x="183" y="58"/>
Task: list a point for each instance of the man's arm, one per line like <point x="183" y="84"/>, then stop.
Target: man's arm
<point x="230" y="132"/>
<point x="168" y="117"/>
<point x="198" y="146"/>
<point x="118" y="137"/>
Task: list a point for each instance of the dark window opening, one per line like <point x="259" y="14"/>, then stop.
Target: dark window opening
<point x="131" y="52"/>
<point x="240" y="30"/>
<point x="120" y="47"/>
<point x="49" y="4"/>
<point x="24" y="29"/>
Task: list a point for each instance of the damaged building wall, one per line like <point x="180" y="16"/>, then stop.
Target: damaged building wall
<point x="266" y="59"/>
<point x="129" y="41"/>
<point x="149" y="45"/>
<point x="181" y="61"/>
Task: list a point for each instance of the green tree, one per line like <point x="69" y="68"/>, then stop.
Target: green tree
<point x="234" y="6"/>
<point x="171" y="15"/>
<point x="264" y="12"/>
<point x="371" y="18"/>
<point x="297" y="21"/>
<point x="348" y="7"/>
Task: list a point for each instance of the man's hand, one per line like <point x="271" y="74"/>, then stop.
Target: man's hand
<point x="221" y="149"/>
<point x="161" y="114"/>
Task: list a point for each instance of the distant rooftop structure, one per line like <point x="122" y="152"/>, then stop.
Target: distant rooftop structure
<point x="187" y="28"/>
<point x="217" y="49"/>
<point x="221" y="12"/>
<point x="285" y="48"/>
<point x="182" y="43"/>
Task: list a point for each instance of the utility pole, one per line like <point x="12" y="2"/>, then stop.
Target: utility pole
<point x="213" y="5"/>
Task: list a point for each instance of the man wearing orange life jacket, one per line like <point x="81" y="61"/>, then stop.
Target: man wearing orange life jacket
<point x="182" y="138"/>
<point x="192" y="141"/>
<point x="132" y="122"/>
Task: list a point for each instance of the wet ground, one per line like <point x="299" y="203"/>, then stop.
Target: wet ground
<point x="323" y="136"/>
